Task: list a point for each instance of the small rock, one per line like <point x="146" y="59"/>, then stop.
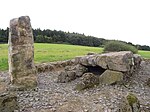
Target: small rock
<point x="88" y="80"/>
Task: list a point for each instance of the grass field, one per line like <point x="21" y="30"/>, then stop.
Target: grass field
<point x="55" y="52"/>
<point x="49" y="53"/>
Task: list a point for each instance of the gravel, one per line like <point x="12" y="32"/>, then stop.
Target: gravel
<point x="51" y="96"/>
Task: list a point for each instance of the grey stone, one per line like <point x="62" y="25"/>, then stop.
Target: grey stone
<point x="62" y="77"/>
<point x="111" y="77"/>
<point x="21" y="53"/>
<point x="124" y="61"/>
<point x="91" y="60"/>
<point x="3" y="84"/>
<point x="77" y="59"/>
<point x="70" y="73"/>
<point x="54" y="66"/>
<point x="88" y="80"/>
<point x="66" y="76"/>
<point x="118" y="61"/>
<point x="80" y="70"/>
<point x="137" y="60"/>
<point x="88" y="60"/>
<point x="8" y="102"/>
<point x="84" y="60"/>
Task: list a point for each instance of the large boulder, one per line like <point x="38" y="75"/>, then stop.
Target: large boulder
<point x="117" y="61"/>
<point x="111" y="77"/>
<point x="123" y="61"/>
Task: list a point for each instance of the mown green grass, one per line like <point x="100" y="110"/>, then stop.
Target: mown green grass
<point x="55" y="52"/>
<point x="3" y="57"/>
<point x="145" y="54"/>
<point x="49" y="53"/>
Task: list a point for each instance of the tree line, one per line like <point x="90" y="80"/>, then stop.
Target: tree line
<point x="61" y="37"/>
<point x="49" y="36"/>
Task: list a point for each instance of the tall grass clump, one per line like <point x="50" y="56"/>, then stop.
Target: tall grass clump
<point x="115" y="46"/>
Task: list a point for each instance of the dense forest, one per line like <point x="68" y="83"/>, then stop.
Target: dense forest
<point x="53" y="36"/>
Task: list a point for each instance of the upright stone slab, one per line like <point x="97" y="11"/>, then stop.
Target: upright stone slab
<point x="21" y="53"/>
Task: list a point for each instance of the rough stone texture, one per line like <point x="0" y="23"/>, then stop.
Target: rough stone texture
<point x="118" y="61"/>
<point x="78" y="69"/>
<point x="2" y="85"/>
<point x="111" y="77"/>
<point x="119" y="66"/>
<point x="88" y="80"/>
<point x="54" y="66"/>
<point x="123" y="61"/>
<point x="88" y="60"/>
<point x="21" y="53"/>
<point x="51" y="96"/>
<point x="70" y="73"/>
<point x="137" y="60"/>
<point x="66" y="76"/>
<point x="8" y="102"/>
<point x="45" y="67"/>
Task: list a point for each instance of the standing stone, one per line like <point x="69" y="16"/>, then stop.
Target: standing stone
<point x="21" y="53"/>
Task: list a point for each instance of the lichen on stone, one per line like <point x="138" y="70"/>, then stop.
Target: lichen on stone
<point x="132" y="99"/>
<point x="133" y="102"/>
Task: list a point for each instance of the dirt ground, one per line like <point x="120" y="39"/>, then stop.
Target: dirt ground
<point x="51" y="96"/>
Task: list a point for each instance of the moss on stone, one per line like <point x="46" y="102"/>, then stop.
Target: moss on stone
<point x="82" y="86"/>
<point x="132" y="99"/>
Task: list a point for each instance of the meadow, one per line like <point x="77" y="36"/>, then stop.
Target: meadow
<point x="55" y="52"/>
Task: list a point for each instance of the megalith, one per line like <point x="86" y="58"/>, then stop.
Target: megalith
<point x="21" y="53"/>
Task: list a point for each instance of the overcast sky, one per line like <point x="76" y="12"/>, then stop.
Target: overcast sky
<point x="127" y="20"/>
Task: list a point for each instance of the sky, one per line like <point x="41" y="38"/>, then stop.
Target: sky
<point x="126" y="20"/>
